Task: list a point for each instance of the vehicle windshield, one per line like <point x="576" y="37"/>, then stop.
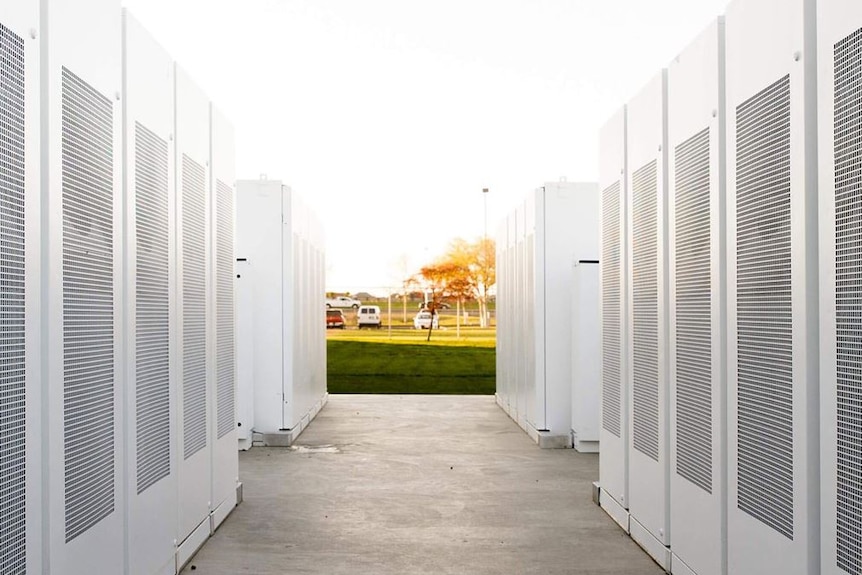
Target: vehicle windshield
<point x="333" y="313"/>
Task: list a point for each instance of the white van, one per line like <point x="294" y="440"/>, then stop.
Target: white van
<point x="368" y="316"/>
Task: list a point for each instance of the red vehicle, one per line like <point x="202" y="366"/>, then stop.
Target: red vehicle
<point x="334" y="318"/>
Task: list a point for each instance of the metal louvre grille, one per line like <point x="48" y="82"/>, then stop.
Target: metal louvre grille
<point x="152" y="398"/>
<point x="764" y="312"/>
<point x="194" y="308"/>
<point x="225" y="304"/>
<point x="610" y="264"/>
<point x="645" y="309"/>
<point x="88" y="304"/>
<point x="848" y="296"/>
<point x="693" y="312"/>
<point x="13" y="454"/>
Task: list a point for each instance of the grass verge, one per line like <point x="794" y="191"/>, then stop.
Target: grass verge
<point x="369" y="361"/>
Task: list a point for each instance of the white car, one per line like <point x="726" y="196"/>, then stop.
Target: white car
<point x="343" y="301"/>
<point x="368" y="316"/>
<point x="423" y="320"/>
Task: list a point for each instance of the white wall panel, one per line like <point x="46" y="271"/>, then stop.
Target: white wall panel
<point x="223" y="428"/>
<point x="82" y="124"/>
<point x="649" y="433"/>
<point x="840" y="137"/>
<point x="773" y="402"/>
<point x="20" y="382"/>
<point x="614" y="454"/>
<point x="698" y="386"/>
<point x="151" y="470"/>
<point x="195" y="308"/>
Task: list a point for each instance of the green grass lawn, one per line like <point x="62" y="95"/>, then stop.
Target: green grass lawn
<point x="370" y="361"/>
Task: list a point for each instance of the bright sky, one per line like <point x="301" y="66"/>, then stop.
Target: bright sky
<point x="390" y="116"/>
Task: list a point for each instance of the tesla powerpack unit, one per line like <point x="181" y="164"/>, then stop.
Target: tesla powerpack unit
<point x="21" y="498"/>
<point x="840" y="138"/>
<point x="649" y="432"/>
<point x="503" y="313"/>
<point x="773" y="396"/>
<point x="613" y="274"/>
<point x="151" y="473"/>
<point x="194" y="262"/>
<point x="223" y="423"/>
<point x="82" y="267"/>
<point x="280" y="248"/>
<point x="555" y="224"/>
<point x="697" y="365"/>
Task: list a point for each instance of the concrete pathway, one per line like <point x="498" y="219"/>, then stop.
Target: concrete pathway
<point x="418" y="484"/>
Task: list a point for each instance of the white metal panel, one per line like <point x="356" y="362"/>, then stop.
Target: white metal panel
<point x="224" y="422"/>
<point x="81" y="60"/>
<point x="258" y="241"/>
<point x="586" y="353"/>
<point x="569" y="226"/>
<point x="151" y="471"/>
<point x="283" y="242"/>
<point x="614" y="455"/>
<point x="773" y="403"/>
<point x="839" y="32"/>
<point x="305" y="363"/>
<point x="195" y="308"/>
<point x="20" y="381"/>
<point x="697" y="364"/>
<point x="245" y="334"/>
<point x="649" y="434"/>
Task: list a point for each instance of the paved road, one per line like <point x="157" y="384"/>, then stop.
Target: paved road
<point x="397" y="485"/>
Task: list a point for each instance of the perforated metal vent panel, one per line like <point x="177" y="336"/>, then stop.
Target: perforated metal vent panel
<point x="88" y="304"/>
<point x="611" y="309"/>
<point x="764" y="313"/>
<point x="194" y="308"/>
<point x="12" y="374"/>
<point x="848" y="296"/>
<point x="645" y="309"/>
<point x="693" y="312"/>
<point x="151" y="312"/>
<point x="224" y="301"/>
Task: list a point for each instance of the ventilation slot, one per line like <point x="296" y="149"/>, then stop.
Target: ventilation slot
<point x="693" y="312"/>
<point x="610" y="266"/>
<point x="194" y="308"/>
<point x="764" y="315"/>
<point x="151" y="313"/>
<point x="13" y="456"/>
<point x="645" y="310"/>
<point x="848" y="296"/>
<point x="88" y="304"/>
<point x="224" y="301"/>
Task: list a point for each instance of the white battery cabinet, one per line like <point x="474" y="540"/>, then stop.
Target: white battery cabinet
<point x="280" y="246"/>
<point x="698" y="386"/>
<point x="586" y="350"/>
<point x="21" y="436"/>
<point x="555" y="225"/>
<point x="507" y="306"/>
<point x="773" y="395"/>
<point x="223" y="428"/>
<point x="649" y="431"/>
<point x="81" y="300"/>
<point x="150" y="292"/>
<point x="839" y="32"/>
<point x="613" y="284"/>
<point x="195" y="311"/>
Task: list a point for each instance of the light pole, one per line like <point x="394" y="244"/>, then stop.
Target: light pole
<point x="484" y="307"/>
<point x="485" y="198"/>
